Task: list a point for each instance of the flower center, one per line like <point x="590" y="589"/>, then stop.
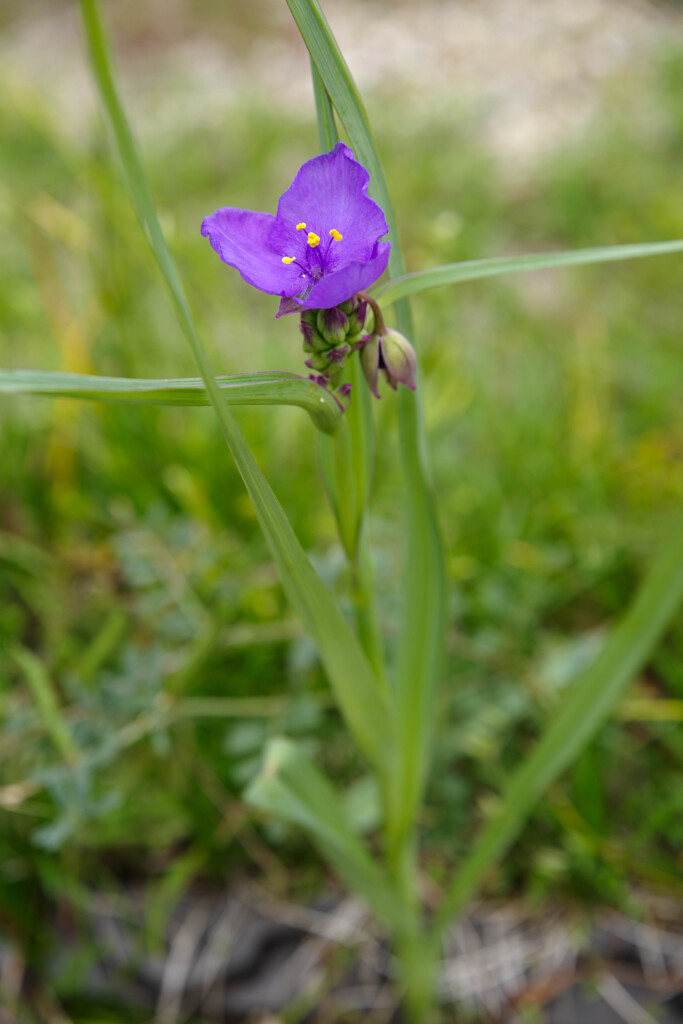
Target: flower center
<point x="313" y="241"/>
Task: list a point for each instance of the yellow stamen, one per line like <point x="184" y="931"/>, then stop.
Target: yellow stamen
<point x="301" y="227"/>
<point x="288" y="259"/>
<point x="313" y="239"/>
<point x="335" y="234"/>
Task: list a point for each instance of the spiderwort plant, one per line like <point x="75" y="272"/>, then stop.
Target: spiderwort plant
<point x="322" y="254"/>
<point x="319" y="253"/>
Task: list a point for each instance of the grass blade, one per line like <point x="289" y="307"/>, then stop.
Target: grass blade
<point x="242" y="389"/>
<point x="423" y="617"/>
<point x="471" y="270"/>
<point x="350" y="674"/>
<point x="589" y="702"/>
<point x="327" y="129"/>
<point x="46" y="700"/>
<point x="358" y="460"/>
<point x="292" y="788"/>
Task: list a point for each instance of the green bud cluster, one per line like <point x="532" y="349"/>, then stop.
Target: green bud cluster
<point x="330" y="334"/>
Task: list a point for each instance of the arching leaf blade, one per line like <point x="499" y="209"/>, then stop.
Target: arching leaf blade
<point x="292" y="788"/>
<point x="367" y="713"/>
<point x="241" y="389"/>
<point x="423" y="617"/>
<point x="327" y="129"/>
<point x="589" y="702"/>
<point x="471" y="270"/>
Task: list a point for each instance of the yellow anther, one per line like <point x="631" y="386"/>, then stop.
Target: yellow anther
<point x="288" y="259"/>
<point x="301" y="227"/>
<point x="335" y="234"/>
<point x="313" y="239"/>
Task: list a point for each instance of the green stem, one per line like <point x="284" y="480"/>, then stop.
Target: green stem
<point x="362" y="436"/>
<point x="363" y="597"/>
<point x="415" y="952"/>
<point x="379" y="324"/>
<point x="423" y="619"/>
<point x="417" y="968"/>
<point x="346" y="463"/>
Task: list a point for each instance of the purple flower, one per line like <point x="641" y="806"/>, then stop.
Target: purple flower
<point x="323" y="244"/>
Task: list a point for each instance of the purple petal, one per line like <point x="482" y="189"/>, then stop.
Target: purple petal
<point x="330" y="192"/>
<point x="240" y="237"/>
<point x="343" y="283"/>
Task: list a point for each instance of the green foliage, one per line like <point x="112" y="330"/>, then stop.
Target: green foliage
<point x="291" y="788"/>
<point x="245" y="389"/>
<point x="422" y="627"/>
<point x="367" y="713"/>
<point x="132" y="568"/>
<point x="473" y="270"/>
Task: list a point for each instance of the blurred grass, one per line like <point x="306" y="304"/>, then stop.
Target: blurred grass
<point x="132" y="567"/>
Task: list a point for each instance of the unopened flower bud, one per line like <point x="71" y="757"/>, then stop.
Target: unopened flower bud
<point x="343" y="395"/>
<point x="317" y="362"/>
<point x="398" y="360"/>
<point x="333" y="325"/>
<point x="338" y="355"/>
<point x="313" y="341"/>
<point x="369" y="360"/>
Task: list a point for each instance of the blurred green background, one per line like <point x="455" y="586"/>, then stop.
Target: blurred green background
<point x="132" y="569"/>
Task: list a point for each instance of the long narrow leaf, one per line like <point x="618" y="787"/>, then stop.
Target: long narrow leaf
<point x="242" y="389"/>
<point x="423" y="616"/>
<point x="292" y="788"/>
<point x="588" y="704"/>
<point x="327" y="129"/>
<point x="471" y="270"/>
<point x="349" y="671"/>
<point x="45" y="697"/>
<point x="354" y="492"/>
